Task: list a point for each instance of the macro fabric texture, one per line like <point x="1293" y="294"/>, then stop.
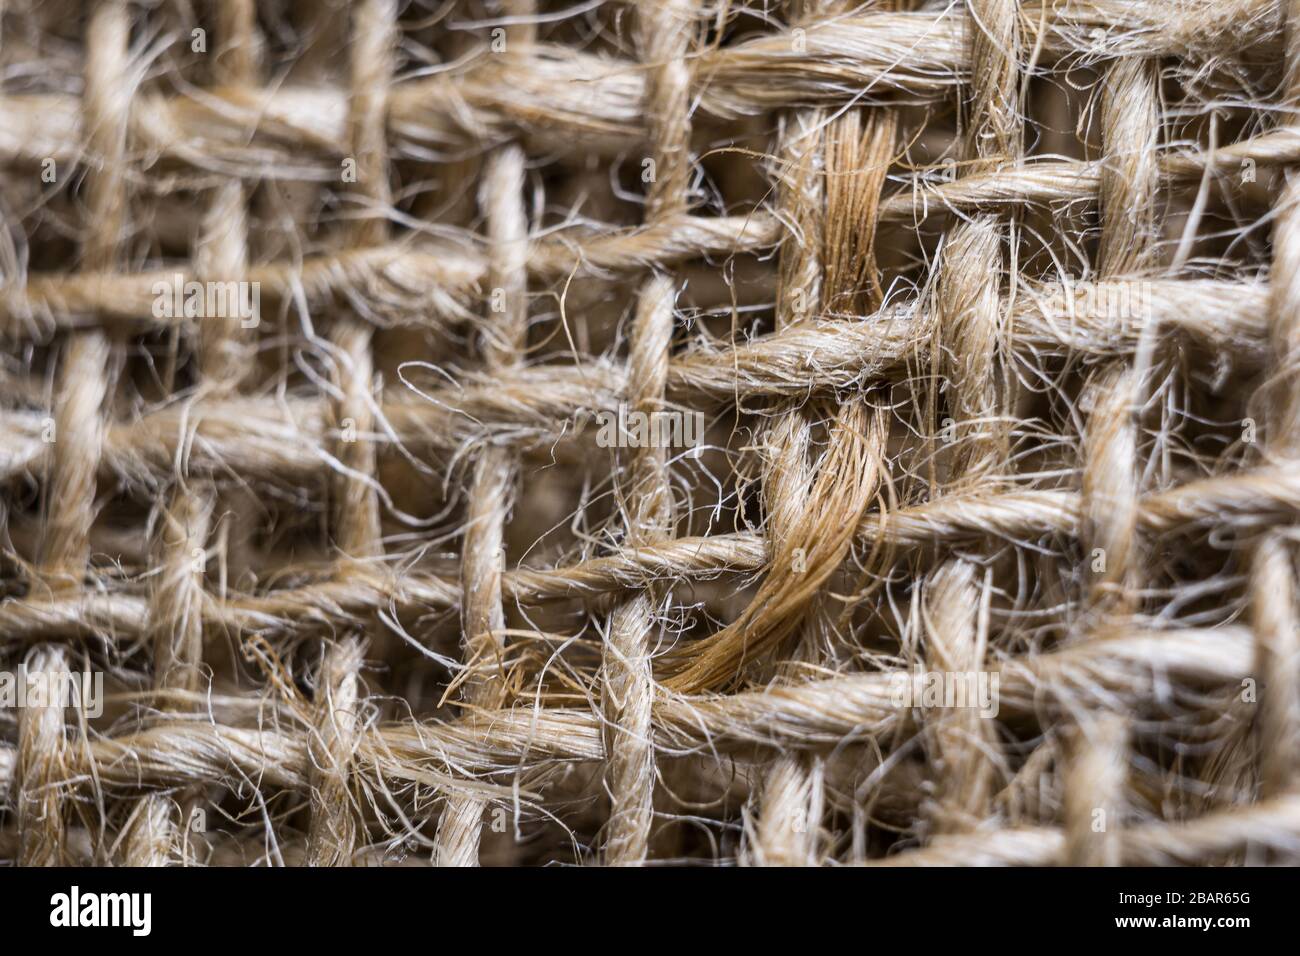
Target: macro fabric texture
<point x="459" y="432"/>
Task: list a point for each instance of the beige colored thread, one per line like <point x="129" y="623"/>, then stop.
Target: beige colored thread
<point x="149" y="834"/>
<point x="860" y="145"/>
<point x="1277" y="662"/>
<point x="1110" y="492"/>
<point x="964" y="740"/>
<point x="79" y="436"/>
<point x="1120" y="671"/>
<point x="1255" y="499"/>
<point x="1130" y="180"/>
<point x="79" y="425"/>
<point x="664" y="33"/>
<point x="178" y="596"/>
<point x="969" y="306"/>
<point x="484" y="619"/>
<point x="1130" y="172"/>
<point x="1283" y="305"/>
<point x="647" y="496"/>
<point x="1094" y="793"/>
<point x="220" y="252"/>
<point x="825" y="234"/>
<point x="397" y="278"/>
<point x="176" y="611"/>
<point x="1284" y="276"/>
<point x="975" y="344"/>
<point x="968" y="309"/>
<point x="440" y="281"/>
<point x="788" y="829"/>
<point x="239" y="50"/>
<point x="226" y="354"/>
<point x="790" y="810"/>
<point x="845" y="486"/>
<point x="583" y="102"/>
<point x="483" y="548"/>
<point x="1216" y="836"/>
<point x="801" y="180"/>
<point x="356" y="508"/>
<point x="779" y="709"/>
<point x="788" y="832"/>
<point x="333" y="831"/>
<point x="42" y="768"/>
<point x="82" y="375"/>
<point x="627" y="686"/>
<point x="222" y="248"/>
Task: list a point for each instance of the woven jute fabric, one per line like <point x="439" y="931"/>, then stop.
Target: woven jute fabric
<point x="514" y="433"/>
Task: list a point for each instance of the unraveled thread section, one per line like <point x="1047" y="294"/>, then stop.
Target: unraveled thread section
<point x="847" y="481"/>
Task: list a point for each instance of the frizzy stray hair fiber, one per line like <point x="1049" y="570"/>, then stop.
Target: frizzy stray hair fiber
<point x="984" y="550"/>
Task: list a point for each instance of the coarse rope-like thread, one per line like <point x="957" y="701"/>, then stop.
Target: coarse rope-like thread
<point x="495" y="471"/>
<point x="973" y="340"/>
<point x="664" y="33"/>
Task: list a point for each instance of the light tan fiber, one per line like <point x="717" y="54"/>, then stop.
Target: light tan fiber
<point x="650" y="432"/>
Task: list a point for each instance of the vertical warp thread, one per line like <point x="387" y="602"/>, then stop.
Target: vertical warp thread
<point x="177" y="591"/>
<point x="176" y="617"/>
<point x="833" y="256"/>
<point x="332" y="829"/>
<point x="239" y="48"/>
<point x="1130" y="180"/>
<point x="42" y="768"/>
<point x="227" y="357"/>
<point x="1276" y="624"/>
<point x="79" y="426"/>
<point x="483" y="549"/>
<point x="1272" y="590"/>
<point x="1094" y="793"/>
<point x="790" y="810"/>
<point x="969" y="311"/>
<point x="356" y="505"/>
<point x="664" y="33"/>
<point x="222" y="247"/>
<point x="627" y="685"/>
<point x="963" y="741"/>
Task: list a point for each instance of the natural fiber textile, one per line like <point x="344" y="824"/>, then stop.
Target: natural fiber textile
<point x="509" y="432"/>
